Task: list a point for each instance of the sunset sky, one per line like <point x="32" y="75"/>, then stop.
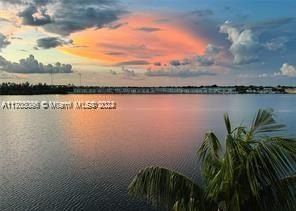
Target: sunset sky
<point x="148" y="42"/>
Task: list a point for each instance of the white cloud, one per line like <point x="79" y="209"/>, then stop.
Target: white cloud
<point x="263" y="75"/>
<point x="287" y="70"/>
<point x="244" y="43"/>
<point x="276" y="44"/>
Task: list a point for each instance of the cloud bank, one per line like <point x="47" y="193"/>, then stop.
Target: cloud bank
<point x="31" y="65"/>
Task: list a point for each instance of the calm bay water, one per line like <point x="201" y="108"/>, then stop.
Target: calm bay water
<point x="84" y="160"/>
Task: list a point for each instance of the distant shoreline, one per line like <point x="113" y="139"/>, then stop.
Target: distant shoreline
<point x="44" y="89"/>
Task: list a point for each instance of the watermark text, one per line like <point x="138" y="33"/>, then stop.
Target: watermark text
<point x="57" y="105"/>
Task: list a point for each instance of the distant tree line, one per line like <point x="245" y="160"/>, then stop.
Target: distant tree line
<point x="244" y="89"/>
<point x="33" y="89"/>
<point x="43" y="88"/>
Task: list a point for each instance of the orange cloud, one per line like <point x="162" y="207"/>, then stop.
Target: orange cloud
<point x="139" y="38"/>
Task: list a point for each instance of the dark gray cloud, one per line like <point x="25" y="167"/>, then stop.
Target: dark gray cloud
<point x="148" y="29"/>
<point x="29" y="16"/>
<point x="175" y="63"/>
<point x="133" y="62"/>
<point x="179" y="73"/>
<point x="75" y="16"/>
<point x="52" y="42"/>
<point x="186" y="61"/>
<point x="3" y="41"/>
<point x="31" y="65"/>
<point x="69" y="16"/>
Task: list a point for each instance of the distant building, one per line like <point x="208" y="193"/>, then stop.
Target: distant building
<point x="155" y="90"/>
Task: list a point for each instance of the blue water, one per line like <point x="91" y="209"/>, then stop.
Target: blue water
<point x="84" y="160"/>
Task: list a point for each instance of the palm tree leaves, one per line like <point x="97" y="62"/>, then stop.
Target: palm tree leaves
<point x="209" y="153"/>
<point x="264" y="122"/>
<point x="280" y="195"/>
<point x="163" y="186"/>
<point x="249" y="172"/>
<point x="247" y="166"/>
<point x="227" y="123"/>
<point x="210" y="148"/>
<point x="269" y="162"/>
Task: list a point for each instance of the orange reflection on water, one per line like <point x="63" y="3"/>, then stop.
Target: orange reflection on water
<point x="152" y="129"/>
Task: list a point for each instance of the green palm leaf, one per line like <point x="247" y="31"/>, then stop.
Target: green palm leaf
<point x="271" y="160"/>
<point x="281" y="195"/>
<point x="227" y="123"/>
<point x="265" y="122"/>
<point x="162" y="186"/>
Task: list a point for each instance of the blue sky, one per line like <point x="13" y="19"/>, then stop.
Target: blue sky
<point x="148" y="42"/>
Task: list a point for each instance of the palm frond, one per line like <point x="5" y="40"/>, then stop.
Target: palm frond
<point x="227" y="123"/>
<point x="209" y="154"/>
<point x="210" y="148"/>
<point x="162" y="186"/>
<point x="271" y="160"/>
<point x="280" y="196"/>
<point x="221" y="185"/>
<point x="265" y="122"/>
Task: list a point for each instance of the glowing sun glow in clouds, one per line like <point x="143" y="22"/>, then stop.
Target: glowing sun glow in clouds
<point x="138" y="37"/>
